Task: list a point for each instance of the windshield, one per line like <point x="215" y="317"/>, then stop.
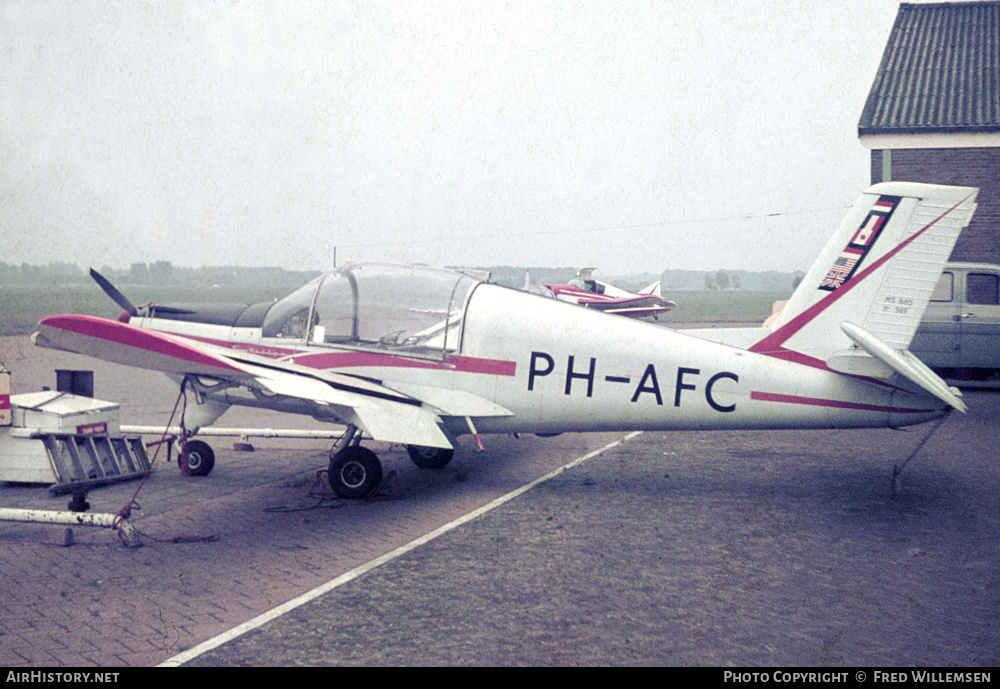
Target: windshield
<point x="377" y="305"/>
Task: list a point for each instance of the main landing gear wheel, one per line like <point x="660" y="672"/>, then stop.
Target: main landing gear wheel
<point x="199" y="457"/>
<point x="354" y="472"/>
<point x="430" y="457"/>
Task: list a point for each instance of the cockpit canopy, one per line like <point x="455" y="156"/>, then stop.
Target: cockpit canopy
<point x="413" y="308"/>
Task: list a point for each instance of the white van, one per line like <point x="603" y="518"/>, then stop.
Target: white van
<point x="960" y="332"/>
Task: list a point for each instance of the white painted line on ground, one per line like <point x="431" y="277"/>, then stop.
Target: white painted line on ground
<point x="277" y="612"/>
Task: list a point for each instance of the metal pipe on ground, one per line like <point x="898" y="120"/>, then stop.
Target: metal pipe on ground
<point x="128" y="533"/>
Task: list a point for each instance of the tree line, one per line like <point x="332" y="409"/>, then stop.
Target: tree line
<point x="165" y="273"/>
<point x="156" y="273"/>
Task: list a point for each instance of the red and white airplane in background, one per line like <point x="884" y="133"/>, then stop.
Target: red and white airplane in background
<point x="586" y="291"/>
<point x="421" y="356"/>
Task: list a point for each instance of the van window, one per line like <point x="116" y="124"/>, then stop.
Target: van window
<point x="982" y="288"/>
<point x="945" y="289"/>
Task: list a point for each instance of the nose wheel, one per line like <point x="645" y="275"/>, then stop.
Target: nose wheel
<point x="196" y="458"/>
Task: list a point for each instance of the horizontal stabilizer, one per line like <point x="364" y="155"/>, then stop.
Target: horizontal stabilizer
<point x="858" y="362"/>
<point x="902" y="362"/>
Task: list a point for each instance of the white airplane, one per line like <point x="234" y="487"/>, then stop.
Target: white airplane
<point x="421" y="356"/>
<point x="585" y="290"/>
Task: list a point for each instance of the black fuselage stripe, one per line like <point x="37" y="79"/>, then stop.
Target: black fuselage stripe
<point x="337" y="386"/>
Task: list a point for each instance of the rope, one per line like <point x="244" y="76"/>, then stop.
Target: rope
<point x="126" y="511"/>
<point x="374" y="496"/>
<point x="897" y="469"/>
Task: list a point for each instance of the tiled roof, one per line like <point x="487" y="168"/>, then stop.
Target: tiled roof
<point x="940" y="72"/>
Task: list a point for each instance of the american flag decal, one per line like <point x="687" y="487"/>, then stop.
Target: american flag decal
<point x="862" y="241"/>
<point x="842" y="269"/>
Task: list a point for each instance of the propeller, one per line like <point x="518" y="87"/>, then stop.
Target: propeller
<point x="113" y="292"/>
<point x="130" y="308"/>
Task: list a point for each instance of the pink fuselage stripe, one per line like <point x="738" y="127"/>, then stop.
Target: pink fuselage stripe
<point x="836" y="404"/>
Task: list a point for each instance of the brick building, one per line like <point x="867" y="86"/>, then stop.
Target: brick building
<point x="933" y="112"/>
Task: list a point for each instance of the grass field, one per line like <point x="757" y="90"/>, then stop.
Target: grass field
<point x="721" y="306"/>
<point x="22" y="307"/>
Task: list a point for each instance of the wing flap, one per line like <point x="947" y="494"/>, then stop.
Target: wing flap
<point x="407" y="425"/>
<point x="453" y="402"/>
<point x="382" y="413"/>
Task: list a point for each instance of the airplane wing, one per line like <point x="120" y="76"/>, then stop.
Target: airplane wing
<point x="383" y="413"/>
<point x="641" y="305"/>
<point x="604" y="301"/>
<point x="637" y="311"/>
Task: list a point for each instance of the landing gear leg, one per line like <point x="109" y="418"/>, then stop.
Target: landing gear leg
<point x="355" y="471"/>
<point x="351" y="436"/>
<point x="196" y="457"/>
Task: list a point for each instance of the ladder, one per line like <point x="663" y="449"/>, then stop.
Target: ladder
<point x="88" y="460"/>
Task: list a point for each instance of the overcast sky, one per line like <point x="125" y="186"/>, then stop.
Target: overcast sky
<point x="632" y="136"/>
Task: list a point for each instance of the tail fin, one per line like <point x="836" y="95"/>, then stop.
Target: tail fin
<point x="877" y="274"/>
<point x="652" y="290"/>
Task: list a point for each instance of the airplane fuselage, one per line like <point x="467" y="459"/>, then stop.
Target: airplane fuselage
<point x="551" y="366"/>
